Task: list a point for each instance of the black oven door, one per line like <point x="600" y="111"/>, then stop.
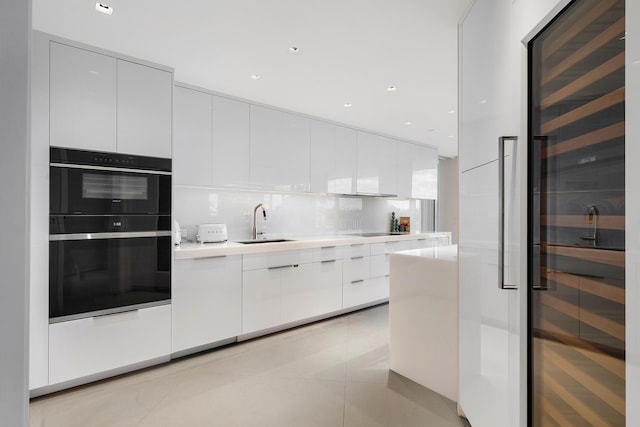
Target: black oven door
<point x="106" y="273"/>
<point x="95" y="191"/>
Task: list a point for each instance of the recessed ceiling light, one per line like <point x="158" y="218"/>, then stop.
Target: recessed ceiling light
<point x="294" y="50"/>
<point x="100" y="7"/>
<point x="256" y="76"/>
<point x="431" y="130"/>
<point x="451" y="136"/>
<point x="482" y="101"/>
<point x="451" y="111"/>
<point x="391" y="88"/>
<point x="408" y="123"/>
<point x="347" y="104"/>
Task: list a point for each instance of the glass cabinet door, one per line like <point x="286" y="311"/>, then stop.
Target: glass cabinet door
<point x="576" y="222"/>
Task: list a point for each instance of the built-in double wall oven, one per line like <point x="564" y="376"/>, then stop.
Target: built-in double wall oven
<point x="109" y="233"/>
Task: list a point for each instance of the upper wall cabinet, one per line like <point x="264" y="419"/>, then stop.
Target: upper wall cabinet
<point x="82" y="99"/>
<point x="279" y="158"/>
<point x="417" y="171"/>
<point x="192" y="137"/>
<point x="211" y="135"/>
<point x="231" y="139"/>
<point x="144" y="110"/>
<point x="333" y="158"/>
<point x="99" y="102"/>
<point x="377" y="164"/>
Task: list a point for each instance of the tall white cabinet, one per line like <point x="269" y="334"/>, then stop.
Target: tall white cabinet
<point x="333" y="158"/>
<point x="377" y="164"/>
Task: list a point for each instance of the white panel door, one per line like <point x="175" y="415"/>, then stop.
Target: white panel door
<point x="260" y="299"/>
<point x="192" y="137"/>
<point x="144" y="110"/>
<point x="417" y="171"/>
<point x="333" y="158"/>
<point x="231" y="142"/>
<point x="377" y="164"/>
<point x="483" y="307"/>
<point x="206" y="299"/>
<point x="279" y="150"/>
<point x="82" y="99"/>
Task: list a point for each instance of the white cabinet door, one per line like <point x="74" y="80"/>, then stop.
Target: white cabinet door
<point x="82" y="99"/>
<point x="231" y="142"/>
<point x="417" y="171"/>
<point x="377" y="164"/>
<point x="260" y="299"/>
<point x="144" y="110"/>
<point x="483" y="307"/>
<point x="279" y="155"/>
<point x="333" y="158"/>
<point x="206" y="299"/>
<point x="192" y="137"/>
<point x="79" y="348"/>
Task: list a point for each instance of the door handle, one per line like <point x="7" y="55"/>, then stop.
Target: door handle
<point x="501" y="221"/>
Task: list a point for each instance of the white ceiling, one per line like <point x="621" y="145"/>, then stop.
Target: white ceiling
<point x="350" y="51"/>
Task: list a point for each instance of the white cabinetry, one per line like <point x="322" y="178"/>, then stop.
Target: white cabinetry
<point x="99" y="102"/>
<point x="417" y="171"/>
<point x="279" y="155"/>
<point x="211" y="135"/>
<point x="206" y="300"/>
<point x="192" y="137"/>
<point x="333" y="158"/>
<point x="144" y="110"/>
<point x="231" y="140"/>
<point x="358" y="286"/>
<point x="377" y="164"/>
<point x="82" y="99"/>
<point x="93" y="345"/>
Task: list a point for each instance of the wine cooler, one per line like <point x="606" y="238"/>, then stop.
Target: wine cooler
<point x="577" y="217"/>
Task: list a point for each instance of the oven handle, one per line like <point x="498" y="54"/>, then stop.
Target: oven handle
<point x="118" y="235"/>
<point x="107" y="168"/>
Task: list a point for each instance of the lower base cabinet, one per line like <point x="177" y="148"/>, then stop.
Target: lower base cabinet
<point x="365" y="291"/>
<point x="206" y="299"/>
<point x="79" y="348"/>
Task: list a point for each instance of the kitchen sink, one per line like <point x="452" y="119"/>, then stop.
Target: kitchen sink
<point x="251" y="242"/>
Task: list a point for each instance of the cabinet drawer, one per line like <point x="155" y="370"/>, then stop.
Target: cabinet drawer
<point x="276" y="259"/>
<point x="424" y="243"/>
<point x="379" y="248"/>
<point x="358" y="250"/>
<point x="443" y="241"/>
<point x="327" y="253"/>
<point x="365" y="292"/>
<point x="354" y="269"/>
<point x="379" y="265"/>
<point x="79" y="348"/>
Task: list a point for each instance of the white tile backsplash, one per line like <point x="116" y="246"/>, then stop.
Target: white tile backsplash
<point x="288" y="214"/>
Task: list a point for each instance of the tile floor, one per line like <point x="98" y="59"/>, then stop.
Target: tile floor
<point x="331" y="373"/>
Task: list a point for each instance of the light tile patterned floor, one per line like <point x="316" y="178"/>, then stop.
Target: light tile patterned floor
<point x="331" y="373"/>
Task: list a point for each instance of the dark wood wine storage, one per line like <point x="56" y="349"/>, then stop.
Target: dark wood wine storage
<point x="576" y="223"/>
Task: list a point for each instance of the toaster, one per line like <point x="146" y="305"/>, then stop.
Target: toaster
<point x="211" y="233"/>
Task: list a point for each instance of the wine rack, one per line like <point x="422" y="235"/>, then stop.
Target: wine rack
<point x="577" y="197"/>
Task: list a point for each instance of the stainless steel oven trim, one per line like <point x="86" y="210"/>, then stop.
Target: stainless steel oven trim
<point x="116" y="235"/>
<point x="107" y="168"/>
<point x="109" y="311"/>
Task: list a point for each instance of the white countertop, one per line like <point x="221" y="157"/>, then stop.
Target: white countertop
<point x="441" y="253"/>
<point x="188" y="250"/>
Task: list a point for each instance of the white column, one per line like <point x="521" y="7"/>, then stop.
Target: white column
<point x="15" y="29"/>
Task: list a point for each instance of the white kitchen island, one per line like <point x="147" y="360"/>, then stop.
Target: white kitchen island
<point x="423" y="317"/>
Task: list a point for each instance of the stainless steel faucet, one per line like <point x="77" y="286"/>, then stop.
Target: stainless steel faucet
<point x="264" y="214"/>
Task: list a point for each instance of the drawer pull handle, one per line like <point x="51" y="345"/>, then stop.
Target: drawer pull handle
<point x="327" y="247"/>
<point x="357" y="281"/>
<point x="282" y="266"/>
<point x="328" y="261"/>
<point x="357" y="257"/>
<point x="210" y="257"/>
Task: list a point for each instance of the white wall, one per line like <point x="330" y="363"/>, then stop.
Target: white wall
<point x="447" y="204"/>
<point x="15" y="28"/>
<point x="289" y="214"/>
